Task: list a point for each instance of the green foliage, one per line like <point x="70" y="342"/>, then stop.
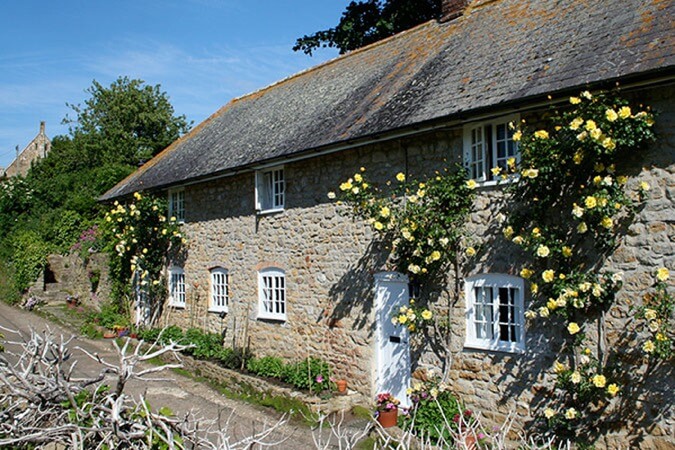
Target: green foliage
<point x="109" y="317"/>
<point x="138" y="239"/>
<point x="267" y="366"/>
<point x="423" y="220"/>
<point x="206" y="345"/>
<point x="365" y="22"/>
<point x="127" y="122"/>
<point x="312" y="374"/>
<point x="573" y="165"/>
<point x="116" y="128"/>
<point x="657" y="314"/>
<point x="429" y="414"/>
<point x="29" y="257"/>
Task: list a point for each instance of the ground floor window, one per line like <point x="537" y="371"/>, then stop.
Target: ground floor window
<point x="177" y="287"/>
<point x="272" y="294"/>
<point x="495" y="312"/>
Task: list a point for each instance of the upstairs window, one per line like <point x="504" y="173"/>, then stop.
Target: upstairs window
<point x="177" y="287"/>
<point x="495" y="313"/>
<point x="220" y="295"/>
<point x="488" y="145"/>
<point x="270" y="190"/>
<point x="177" y="204"/>
<point x="272" y="294"/>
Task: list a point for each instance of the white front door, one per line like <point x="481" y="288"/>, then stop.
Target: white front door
<point x="393" y="348"/>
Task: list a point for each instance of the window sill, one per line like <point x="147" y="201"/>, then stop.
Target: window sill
<point x="271" y="318"/>
<point x="177" y="305"/>
<point x="495" y="347"/>
<point x="218" y="310"/>
<point x="264" y="212"/>
<point x="496" y="183"/>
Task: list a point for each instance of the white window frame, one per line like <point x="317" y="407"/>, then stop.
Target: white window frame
<point x="177" y="204"/>
<point x="220" y="290"/>
<point x="177" y="297"/>
<point x="494" y="322"/>
<point x="270" y="190"/>
<point x="478" y="152"/>
<point x="272" y="298"/>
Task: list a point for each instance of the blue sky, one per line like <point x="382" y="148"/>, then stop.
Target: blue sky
<point x="201" y="52"/>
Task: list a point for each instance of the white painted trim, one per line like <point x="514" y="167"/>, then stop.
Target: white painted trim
<point x="212" y="306"/>
<point x="262" y="314"/>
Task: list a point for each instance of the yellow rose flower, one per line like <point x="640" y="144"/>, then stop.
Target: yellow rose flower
<point x="346" y="186"/>
<point x="590" y="125"/>
<point x="402" y="319"/>
<point x="571" y="414"/>
<point x="544" y="312"/>
<point x="596" y="133"/>
<point x="576" y="123"/>
<point x="378" y="226"/>
<point x="426" y="314"/>
<point x="548" y="413"/>
<point x="599" y="381"/>
<point x="582" y="228"/>
<point x="611" y="115"/>
<point x="650" y="314"/>
<point x="541" y="134"/>
<point x="470" y="251"/>
<point x="609" y="143"/>
<point x="575" y="100"/>
<point x="662" y="274"/>
<point x="551" y="304"/>
<point x="543" y="251"/>
<point x="355" y="190"/>
<point x="660" y="336"/>
<point x="590" y="202"/>
<point x="573" y="328"/>
<point x="526" y="273"/>
<point x="559" y="367"/>
<point x="385" y="212"/>
<point x="648" y="347"/>
<point x="607" y="223"/>
<point x="575" y="377"/>
<point x="577" y="211"/>
<point x="622" y="179"/>
<point x="612" y="389"/>
<point x="511" y="162"/>
<point x="534" y="288"/>
<point x="517" y="136"/>
<point x="624" y="112"/>
<point x="358" y="178"/>
<point x="587" y="95"/>
<point x="508" y="232"/>
<point x="471" y="184"/>
<point x="548" y="276"/>
<point x="518" y="240"/>
<point x="529" y="314"/>
<point x="331" y="195"/>
<point x="400" y="176"/>
<point x="644" y="186"/>
<point x="496" y="171"/>
<point x="436" y="255"/>
<point x="566" y="251"/>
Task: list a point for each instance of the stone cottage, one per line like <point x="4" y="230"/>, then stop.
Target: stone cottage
<point x="37" y="149"/>
<point x="272" y="262"/>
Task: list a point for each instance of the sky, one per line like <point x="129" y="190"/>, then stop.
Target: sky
<point x="203" y="53"/>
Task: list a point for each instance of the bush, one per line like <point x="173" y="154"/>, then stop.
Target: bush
<point x="232" y="358"/>
<point x="312" y="374"/>
<point x="110" y="316"/>
<point x="207" y="345"/>
<point x="268" y="366"/>
<point x="429" y="416"/>
<point x="29" y="257"/>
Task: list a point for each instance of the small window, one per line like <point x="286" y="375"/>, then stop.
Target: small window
<point x="270" y="190"/>
<point x="220" y="295"/>
<point x="494" y="313"/>
<point x="177" y="287"/>
<point x="177" y="204"/>
<point x="488" y="145"/>
<point x="272" y="294"/>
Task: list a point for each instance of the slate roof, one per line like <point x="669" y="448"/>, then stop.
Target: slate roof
<point x="499" y="52"/>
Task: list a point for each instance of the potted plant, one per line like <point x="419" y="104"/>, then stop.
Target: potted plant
<point x="386" y="406"/>
<point x="341" y="386"/>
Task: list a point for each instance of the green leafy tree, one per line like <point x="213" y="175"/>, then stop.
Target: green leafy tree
<point x="369" y="21"/>
<point x="127" y="122"/>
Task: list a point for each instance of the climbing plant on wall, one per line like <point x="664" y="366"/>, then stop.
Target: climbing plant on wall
<point x="139" y="240"/>
<point x="567" y="212"/>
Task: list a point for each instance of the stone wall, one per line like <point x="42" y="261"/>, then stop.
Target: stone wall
<point x="69" y="275"/>
<point x="329" y="261"/>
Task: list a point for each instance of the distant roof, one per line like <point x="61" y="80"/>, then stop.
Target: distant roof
<point x="498" y="52"/>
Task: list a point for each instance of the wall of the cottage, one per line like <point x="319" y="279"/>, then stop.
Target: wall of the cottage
<point x="329" y="262"/>
<point x="328" y="258"/>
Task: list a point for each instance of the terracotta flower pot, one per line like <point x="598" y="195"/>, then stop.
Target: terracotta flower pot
<point x="341" y="386"/>
<point x="109" y="334"/>
<point x="388" y="419"/>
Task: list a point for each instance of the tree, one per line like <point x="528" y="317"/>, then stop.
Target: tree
<point x="369" y="21"/>
<point x="127" y="123"/>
